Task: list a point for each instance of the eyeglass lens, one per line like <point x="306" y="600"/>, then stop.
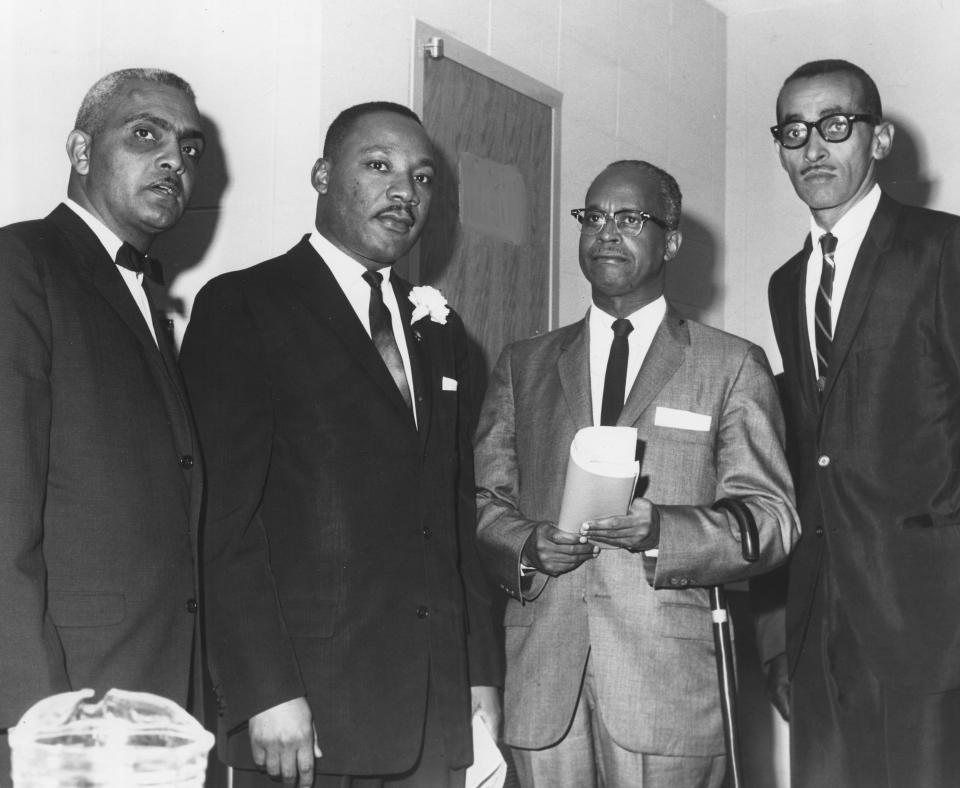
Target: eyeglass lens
<point x="627" y="222"/>
<point x="833" y="128"/>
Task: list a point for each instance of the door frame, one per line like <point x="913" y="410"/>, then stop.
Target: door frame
<point x="516" y="80"/>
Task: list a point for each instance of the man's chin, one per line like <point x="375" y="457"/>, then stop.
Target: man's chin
<point x="156" y="222"/>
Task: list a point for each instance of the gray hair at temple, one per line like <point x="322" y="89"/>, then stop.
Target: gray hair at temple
<point x="669" y="189"/>
<point x="95" y="104"/>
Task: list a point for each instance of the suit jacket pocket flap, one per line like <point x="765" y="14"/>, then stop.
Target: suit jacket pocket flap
<point x="687" y="622"/>
<point x="86" y="610"/>
<point x="306" y="616"/>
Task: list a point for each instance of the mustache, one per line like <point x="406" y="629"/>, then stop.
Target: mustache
<point x="607" y="250"/>
<point x="816" y="168"/>
<point x="401" y="212"/>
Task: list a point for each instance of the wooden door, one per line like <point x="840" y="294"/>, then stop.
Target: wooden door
<point x="489" y="244"/>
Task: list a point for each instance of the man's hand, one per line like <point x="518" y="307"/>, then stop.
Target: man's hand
<point x="487" y="700"/>
<point x="555" y="552"/>
<point x="281" y="739"/>
<point x="778" y="684"/>
<point x="638" y="529"/>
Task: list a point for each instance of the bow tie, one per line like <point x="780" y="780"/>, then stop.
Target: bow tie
<point x="131" y="258"/>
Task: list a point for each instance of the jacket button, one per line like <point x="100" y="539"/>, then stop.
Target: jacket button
<point x="427" y="533"/>
<point x="823" y="460"/>
<point x="186" y="462"/>
<point x="422" y="611"/>
<point x="191" y="605"/>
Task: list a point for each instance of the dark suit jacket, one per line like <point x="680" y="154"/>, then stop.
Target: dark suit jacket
<point x="340" y="554"/>
<point x="878" y="461"/>
<point x="99" y="485"/>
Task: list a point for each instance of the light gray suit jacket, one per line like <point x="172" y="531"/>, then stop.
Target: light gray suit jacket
<point x="645" y="622"/>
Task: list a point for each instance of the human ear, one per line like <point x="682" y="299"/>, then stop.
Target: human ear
<point x="320" y="176"/>
<point x="78" y="151"/>
<point x="674" y="239"/>
<point x="882" y="140"/>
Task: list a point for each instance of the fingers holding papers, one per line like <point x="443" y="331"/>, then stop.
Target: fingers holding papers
<point x="554" y="552"/>
<point x="638" y="529"/>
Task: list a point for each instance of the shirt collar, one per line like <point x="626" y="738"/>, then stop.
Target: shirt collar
<point x="344" y="268"/>
<point x="854" y="223"/>
<point x="104" y="234"/>
<point x="645" y="320"/>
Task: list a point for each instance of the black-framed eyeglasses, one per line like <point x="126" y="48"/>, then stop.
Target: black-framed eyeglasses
<point x="593" y="221"/>
<point x="833" y="128"/>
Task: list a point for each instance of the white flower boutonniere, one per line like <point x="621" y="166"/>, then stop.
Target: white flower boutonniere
<point x="428" y="300"/>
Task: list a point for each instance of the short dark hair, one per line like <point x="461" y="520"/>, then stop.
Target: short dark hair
<point x="670" y="195"/>
<point x="93" y="108"/>
<point x="344" y="122"/>
<point x="819" y="68"/>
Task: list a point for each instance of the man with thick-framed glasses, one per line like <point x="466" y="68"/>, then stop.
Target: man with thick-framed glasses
<point x="867" y="321"/>
<point x="611" y="678"/>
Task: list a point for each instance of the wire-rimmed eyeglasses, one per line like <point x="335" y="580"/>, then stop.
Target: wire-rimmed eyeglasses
<point x="593" y="221"/>
<point x="833" y="128"/>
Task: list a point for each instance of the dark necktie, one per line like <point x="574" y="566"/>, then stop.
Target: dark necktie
<point x="129" y="257"/>
<point x="615" y="381"/>
<point x="823" y="308"/>
<point x="381" y="330"/>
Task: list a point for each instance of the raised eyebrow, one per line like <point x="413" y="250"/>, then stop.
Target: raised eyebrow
<point x="824" y="113"/>
<point x="166" y="125"/>
<point x="598" y="209"/>
<point x="387" y="150"/>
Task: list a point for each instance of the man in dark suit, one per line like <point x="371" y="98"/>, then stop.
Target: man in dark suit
<point x="868" y="325"/>
<point x="347" y="614"/>
<point x="99" y="482"/>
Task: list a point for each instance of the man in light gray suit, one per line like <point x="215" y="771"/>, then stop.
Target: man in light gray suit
<point x="611" y="677"/>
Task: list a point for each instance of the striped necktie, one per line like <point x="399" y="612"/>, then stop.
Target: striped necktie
<point x="823" y="308"/>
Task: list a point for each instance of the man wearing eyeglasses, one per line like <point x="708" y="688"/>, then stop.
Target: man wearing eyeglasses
<point x="611" y="678"/>
<point x="867" y="318"/>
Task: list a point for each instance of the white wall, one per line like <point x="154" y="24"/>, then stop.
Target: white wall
<point x="911" y="51"/>
<point x="640" y="80"/>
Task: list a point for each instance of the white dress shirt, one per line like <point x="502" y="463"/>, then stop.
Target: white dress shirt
<point x="349" y="275"/>
<point x="132" y="279"/>
<point x="849" y="232"/>
<point x="645" y="320"/>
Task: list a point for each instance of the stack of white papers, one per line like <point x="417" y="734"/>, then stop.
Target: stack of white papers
<point x="601" y="475"/>
<point x="488" y="769"/>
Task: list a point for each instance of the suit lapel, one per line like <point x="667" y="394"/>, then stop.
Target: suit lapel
<point x="417" y="338"/>
<point x="93" y="259"/>
<point x="796" y="319"/>
<point x="573" y="368"/>
<point x="324" y="298"/>
<point x="863" y="280"/>
<point x="666" y="354"/>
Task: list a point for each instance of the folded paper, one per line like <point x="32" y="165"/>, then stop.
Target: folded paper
<point x="488" y="769"/>
<point x="601" y="475"/>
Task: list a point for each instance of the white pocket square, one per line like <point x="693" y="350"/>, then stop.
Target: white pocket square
<point x="448" y="384"/>
<point x="681" y="419"/>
